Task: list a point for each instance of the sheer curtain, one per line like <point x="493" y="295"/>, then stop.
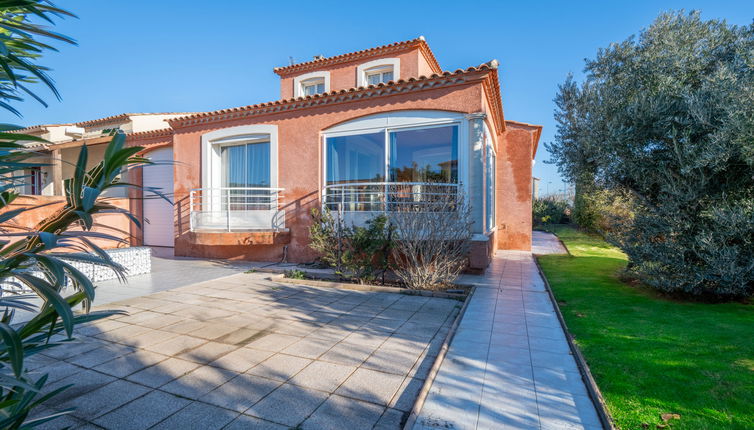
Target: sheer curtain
<point x="246" y="166"/>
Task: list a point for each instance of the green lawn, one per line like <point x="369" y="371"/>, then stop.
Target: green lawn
<point x="651" y="355"/>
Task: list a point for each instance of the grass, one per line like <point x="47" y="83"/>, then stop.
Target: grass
<point x="651" y="355"/>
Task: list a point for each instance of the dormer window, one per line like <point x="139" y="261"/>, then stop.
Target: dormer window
<point x="379" y="71"/>
<point x="313" y="86"/>
<point x="378" y="75"/>
<point x="310" y="84"/>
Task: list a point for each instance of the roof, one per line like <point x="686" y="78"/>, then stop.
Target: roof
<point x="457" y="77"/>
<point x="124" y="117"/>
<point x="38" y="127"/>
<point x="419" y="42"/>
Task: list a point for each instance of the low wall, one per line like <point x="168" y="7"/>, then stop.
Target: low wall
<point x="40" y="207"/>
<point x="136" y="261"/>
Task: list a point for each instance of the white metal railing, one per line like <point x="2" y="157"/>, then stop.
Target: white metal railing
<point x="236" y="208"/>
<point x="388" y="196"/>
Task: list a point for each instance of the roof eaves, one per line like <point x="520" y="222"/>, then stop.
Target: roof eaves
<point x="338" y="96"/>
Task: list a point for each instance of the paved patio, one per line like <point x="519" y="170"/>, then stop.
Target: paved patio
<point x="244" y="352"/>
<point x="167" y="273"/>
<point x="509" y="365"/>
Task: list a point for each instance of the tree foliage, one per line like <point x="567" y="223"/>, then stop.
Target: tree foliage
<point x="24" y="36"/>
<point x="668" y="117"/>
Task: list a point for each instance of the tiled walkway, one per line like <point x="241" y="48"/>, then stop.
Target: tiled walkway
<point x="509" y="364"/>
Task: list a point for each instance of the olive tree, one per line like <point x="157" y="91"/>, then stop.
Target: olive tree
<point x="668" y="118"/>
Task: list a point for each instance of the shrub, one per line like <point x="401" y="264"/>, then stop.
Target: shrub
<point x="551" y="210"/>
<point x="668" y="116"/>
<point x="433" y="239"/>
<point x="295" y="274"/>
<point x="361" y="253"/>
<point x="602" y="211"/>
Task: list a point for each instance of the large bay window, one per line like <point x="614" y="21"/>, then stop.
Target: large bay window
<point x="375" y="170"/>
<point x="413" y="155"/>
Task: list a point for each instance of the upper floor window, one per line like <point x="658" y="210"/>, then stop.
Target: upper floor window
<point x="313" y="86"/>
<point x="378" y="71"/>
<point x="377" y="75"/>
<point x="310" y="84"/>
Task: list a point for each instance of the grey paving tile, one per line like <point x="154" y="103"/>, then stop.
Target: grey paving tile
<point x="101" y="355"/>
<point x="289" y="405"/>
<point x="391" y="419"/>
<point x="323" y="376"/>
<point x="143" y="412"/>
<point x="130" y="363"/>
<point x="241" y="392"/>
<point x="371" y="386"/>
<point x="163" y="372"/>
<point x="199" y="416"/>
<point x="241" y="359"/>
<point x="207" y="352"/>
<point x="80" y="383"/>
<point x="104" y="399"/>
<point x="176" y="345"/>
<point x="198" y="382"/>
<point x="280" y="367"/>
<point x="342" y="413"/>
<point x="405" y="397"/>
<point x="274" y="342"/>
<point x="348" y="354"/>
<point x="309" y="348"/>
<point x="394" y="361"/>
<point x="247" y="422"/>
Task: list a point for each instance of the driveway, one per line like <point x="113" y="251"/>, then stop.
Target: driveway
<point x="245" y="352"/>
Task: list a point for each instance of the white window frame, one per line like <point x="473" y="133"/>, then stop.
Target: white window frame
<point x="398" y="121"/>
<point x="363" y="69"/>
<point x="298" y="82"/>
<point x="490" y="165"/>
<point x="213" y="142"/>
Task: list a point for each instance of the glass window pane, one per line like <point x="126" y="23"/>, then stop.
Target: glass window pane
<point x="320" y="88"/>
<point x="425" y="155"/>
<point x="258" y="164"/>
<point x="373" y="79"/>
<point x="233" y="162"/>
<point x="358" y="158"/>
<point x="387" y="76"/>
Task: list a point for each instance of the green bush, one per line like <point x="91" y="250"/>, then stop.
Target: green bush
<point x="359" y="253"/>
<point x="602" y="211"/>
<point x="550" y="210"/>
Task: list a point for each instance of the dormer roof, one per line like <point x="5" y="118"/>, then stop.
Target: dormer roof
<point x="418" y="43"/>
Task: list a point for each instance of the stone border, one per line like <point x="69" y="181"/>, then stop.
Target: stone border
<point x="280" y="277"/>
<point x="422" y="396"/>
<point x="586" y="375"/>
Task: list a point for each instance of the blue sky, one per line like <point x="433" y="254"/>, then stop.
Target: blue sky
<point x="170" y="55"/>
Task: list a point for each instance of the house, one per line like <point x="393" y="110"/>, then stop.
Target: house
<point x="351" y="132"/>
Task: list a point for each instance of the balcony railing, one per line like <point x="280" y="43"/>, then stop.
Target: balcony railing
<point x="359" y="201"/>
<point x="236" y="209"/>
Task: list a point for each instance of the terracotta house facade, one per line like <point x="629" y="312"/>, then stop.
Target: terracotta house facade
<point x="351" y="132"/>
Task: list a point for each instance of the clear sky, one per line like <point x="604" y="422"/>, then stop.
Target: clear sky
<point x="171" y="55"/>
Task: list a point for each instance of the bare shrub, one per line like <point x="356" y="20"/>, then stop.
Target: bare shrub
<point x="433" y="231"/>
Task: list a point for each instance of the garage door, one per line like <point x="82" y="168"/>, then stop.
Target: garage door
<point x="158" y="214"/>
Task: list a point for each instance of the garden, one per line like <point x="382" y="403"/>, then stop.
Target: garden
<point x="657" y="289"/>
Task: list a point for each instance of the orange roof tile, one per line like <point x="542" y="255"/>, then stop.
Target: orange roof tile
<point x="365" y="53"/>
<point x="383" y="89"/>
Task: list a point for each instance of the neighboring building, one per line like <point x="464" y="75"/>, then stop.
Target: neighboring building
<point x="351" y="132"/>
<point x="535" y="187"/>
<point x="65" y="140"/>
